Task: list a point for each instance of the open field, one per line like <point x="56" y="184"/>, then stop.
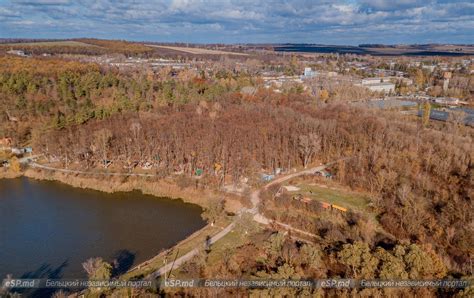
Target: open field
<point x="339" y="197"/>
<point x="197" y="51"/>
<point x="66" y="43"/>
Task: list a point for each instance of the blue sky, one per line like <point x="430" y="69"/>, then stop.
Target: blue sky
<point x="243" y="21"/>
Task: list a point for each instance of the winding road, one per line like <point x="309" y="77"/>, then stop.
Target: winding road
<point x="258" y="217"/>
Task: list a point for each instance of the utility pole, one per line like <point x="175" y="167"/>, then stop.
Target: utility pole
<point x="172" y="265"/>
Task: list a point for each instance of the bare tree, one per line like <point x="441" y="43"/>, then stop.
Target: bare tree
<point x="102" y="140"/>
<point x="308" y="146"/>
<point x="97" y="268"/>
<point x="136" y="129"/>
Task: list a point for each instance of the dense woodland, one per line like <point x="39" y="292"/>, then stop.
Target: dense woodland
<point x="420" y="178"/>
<point x="84" y="46"/>
<point x="278" y="256"/>
<point x="58" y="93"/>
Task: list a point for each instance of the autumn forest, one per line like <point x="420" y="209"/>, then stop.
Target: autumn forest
<point x="418" y="177"/>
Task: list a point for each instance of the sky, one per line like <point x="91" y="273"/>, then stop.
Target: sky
<point x="349" y="22"/>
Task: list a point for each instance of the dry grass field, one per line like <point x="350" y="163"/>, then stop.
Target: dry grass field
<point x="70" y="43"/>
<point x="197" y="51"/>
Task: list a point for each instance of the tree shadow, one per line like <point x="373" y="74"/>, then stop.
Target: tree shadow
<point x="45" y="271"/>
<point x="122" y="261"/>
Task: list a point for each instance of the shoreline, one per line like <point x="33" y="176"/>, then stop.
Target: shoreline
<point x="163" y="187"/>
<point x="10" y="175"/>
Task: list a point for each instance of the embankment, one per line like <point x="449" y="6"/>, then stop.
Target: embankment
<point x="166" y="187"/>
<point x="9" y="174"/>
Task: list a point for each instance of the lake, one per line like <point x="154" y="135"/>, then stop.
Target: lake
<point x="47" y="229"/>
<point x="322" y="49"/>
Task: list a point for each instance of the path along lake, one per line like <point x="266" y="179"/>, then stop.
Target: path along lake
<point x="47" y="229"/>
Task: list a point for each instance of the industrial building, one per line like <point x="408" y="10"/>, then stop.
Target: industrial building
<point x="378" y="85"/>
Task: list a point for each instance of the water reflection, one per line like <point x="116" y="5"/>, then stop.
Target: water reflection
<point x="48" y="229"/>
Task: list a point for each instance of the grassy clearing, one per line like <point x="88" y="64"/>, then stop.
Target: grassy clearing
<point x="342" y="198"/>
<point x="352" y="200"/>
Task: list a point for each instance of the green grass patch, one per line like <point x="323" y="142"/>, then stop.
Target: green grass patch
<point x="342" y="198"/>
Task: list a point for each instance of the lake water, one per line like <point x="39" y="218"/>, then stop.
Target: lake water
<point x="360" y="51"/>
<point x="47" y="229"/>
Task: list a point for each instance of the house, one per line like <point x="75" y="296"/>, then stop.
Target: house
<point x="309" y="73"/>
<point x="267" y="177"/>
<point x="323" y="173"/>
<point x="147" y="165"/>
<point x="445" y="100"/>
<point x="278" y="171"/>
<point x="21" y="151"/>
<point x="17" y="151"/>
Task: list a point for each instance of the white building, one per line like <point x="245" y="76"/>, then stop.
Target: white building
<point x="378" y="84"/>
<point x="381" y="87"/>
<point x="445" y="100"/>
<point x="309" y="73"/>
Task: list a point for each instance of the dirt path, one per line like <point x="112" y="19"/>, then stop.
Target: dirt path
<point x="255" y="199"/>
<point x="181" y="260"/>
<point x="258" y="217"/>
<point x="39" y="166"/>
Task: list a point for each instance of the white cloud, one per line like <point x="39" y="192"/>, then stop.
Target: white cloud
<point x="43" y="2"/>
<point x="253" y="20"/>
